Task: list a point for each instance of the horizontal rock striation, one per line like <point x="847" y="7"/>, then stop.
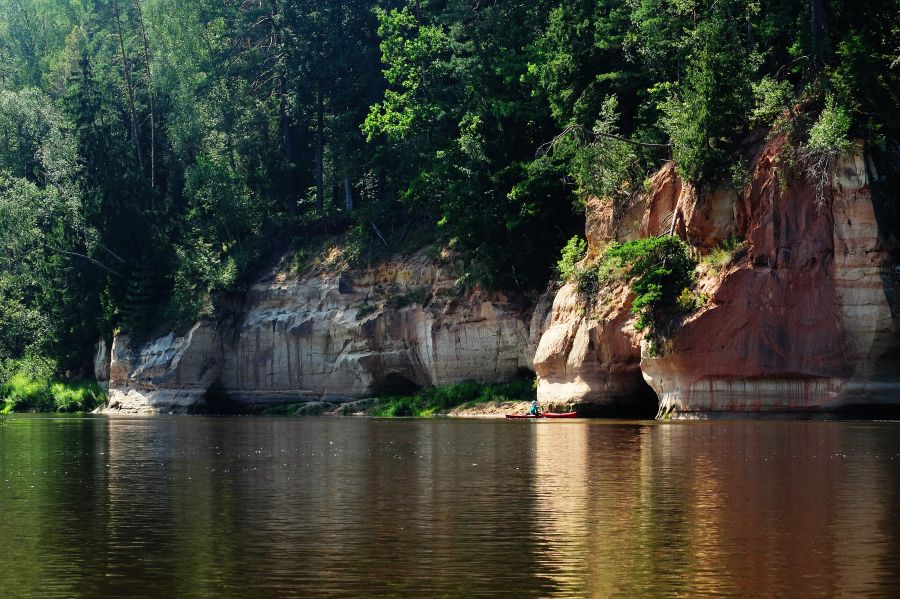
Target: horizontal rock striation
<point x="333" y="336"/>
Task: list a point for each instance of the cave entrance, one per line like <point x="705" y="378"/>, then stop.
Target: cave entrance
<point x="641" y="403"/>
<point x="216" y="401"/>
<point x="395" y="384"/>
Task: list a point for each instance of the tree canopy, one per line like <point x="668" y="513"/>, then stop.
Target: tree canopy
<point x="154" y="153"/>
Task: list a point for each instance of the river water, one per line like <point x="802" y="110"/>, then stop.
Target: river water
<point x="299" y="507"/>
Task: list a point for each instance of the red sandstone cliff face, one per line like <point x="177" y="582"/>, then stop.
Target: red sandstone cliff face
<point x="801" y="321"/>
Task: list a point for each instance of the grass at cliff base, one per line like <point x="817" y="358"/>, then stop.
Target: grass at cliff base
<point x="26" y="392"/>
<point x="439" y="400"/>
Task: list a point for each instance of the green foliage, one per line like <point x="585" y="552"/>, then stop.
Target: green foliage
<point x="658" y="270"/>
<point x="601" y="165"/>
<point x="436" y="400"/>
<point x="154" y="155"/>
<point x="300" y="260"/>
<point x="573" y="252"/>
<point x="21" y="392"/>
<point x="772" y="99"/>
<point x="365" y="310"/>
<point x="412" y="51"/>
<point x="28" y="389"/>
<point x="76" y="397"/>
<point x="705" y="114"/>
<point x="400" y="300"/>
<point x="828" y="137"/>
<point x="830" y="132"/>
<point x="723" y="255"/>
<point x="688" y="301"/>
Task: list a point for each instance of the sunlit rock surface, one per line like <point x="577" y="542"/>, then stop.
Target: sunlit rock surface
<point x="803" y="321"/>
<point x="800" y="320"/>
<point x="333" y="336"/>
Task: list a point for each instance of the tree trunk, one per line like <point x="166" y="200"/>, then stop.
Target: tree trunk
<point x="819" y="30"/>
<point x="751" y="40"/>
<point x="128" y="88"/>
<point x="140" y="16"/>
<point x="348" y="193"/>
<point x="287" y="145"/>
<point x="320" y="150"/>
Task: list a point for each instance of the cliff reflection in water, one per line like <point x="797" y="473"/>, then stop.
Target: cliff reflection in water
<point x="743" y="508"/>
<point x="211" y="507"/>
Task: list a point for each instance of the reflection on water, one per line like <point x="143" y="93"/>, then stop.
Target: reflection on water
<point x="212" y="507"/>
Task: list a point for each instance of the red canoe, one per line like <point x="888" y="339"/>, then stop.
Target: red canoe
<point x="545" y="415"/>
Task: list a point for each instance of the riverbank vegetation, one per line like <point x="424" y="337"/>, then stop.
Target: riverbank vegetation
<point x="468" y="394"/>
<point x="27" y="391"/>
<point x="155" y="154"/>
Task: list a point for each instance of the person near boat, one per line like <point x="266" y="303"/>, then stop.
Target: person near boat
<point x="535" y="409"/>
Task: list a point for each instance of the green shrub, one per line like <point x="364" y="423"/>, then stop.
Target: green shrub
<point x="76" y="397"/>
<point x="605" y="167"/>
<point x="722" y="256"/>
<point x="401" y="300"/>
<point x="300" y="260"/>
<point x="573" y="252"/>
<point x="659" y="269"/>
<point x="830" y="132"/>
<point x="365" y="310"/>
<point x="23" y="392"/>
<point x="435" y="400"/>
<point x="688" y="300"/>
<point x="772" y="99"/>
<point x="828" y="137"/>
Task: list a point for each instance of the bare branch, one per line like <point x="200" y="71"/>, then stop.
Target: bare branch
<point x="84" y="257"/>
<point x="545" y="149"/>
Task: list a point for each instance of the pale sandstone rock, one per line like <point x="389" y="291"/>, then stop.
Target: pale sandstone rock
<point x="101" y="364"/>
<point x="169" y="374"/>
<point x="590" y="355"/>
<point x="334" y="337"/>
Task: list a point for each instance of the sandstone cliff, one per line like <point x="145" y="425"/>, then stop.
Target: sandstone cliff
<point x="801" y="319"/>
<point x="804" y="316"/>
<point x="332" y="335"/>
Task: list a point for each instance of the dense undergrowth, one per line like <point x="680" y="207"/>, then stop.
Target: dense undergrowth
<point x="436" y="400"/>
<point x="22" y="393"/>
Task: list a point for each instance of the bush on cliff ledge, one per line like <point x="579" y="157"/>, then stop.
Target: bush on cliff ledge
<point x="573" y="252"/>
<point x="659" y="269"/>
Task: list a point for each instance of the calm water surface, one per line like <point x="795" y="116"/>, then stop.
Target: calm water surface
<point x="269" y="507"/>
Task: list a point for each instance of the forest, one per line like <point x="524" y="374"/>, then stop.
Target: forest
<point x="154" y="154"/>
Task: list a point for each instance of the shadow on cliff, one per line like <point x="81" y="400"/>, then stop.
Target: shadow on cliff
<point x="642" y="404"/>
<point x="395" y="384"/>
<point x="217" y="402"/>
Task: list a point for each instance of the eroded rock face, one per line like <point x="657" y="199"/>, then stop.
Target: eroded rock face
<point x="802" y="322"/>
<point x="592" y="357"/>
<point x="169" y="374"/>
<point x="385" y="329"/>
